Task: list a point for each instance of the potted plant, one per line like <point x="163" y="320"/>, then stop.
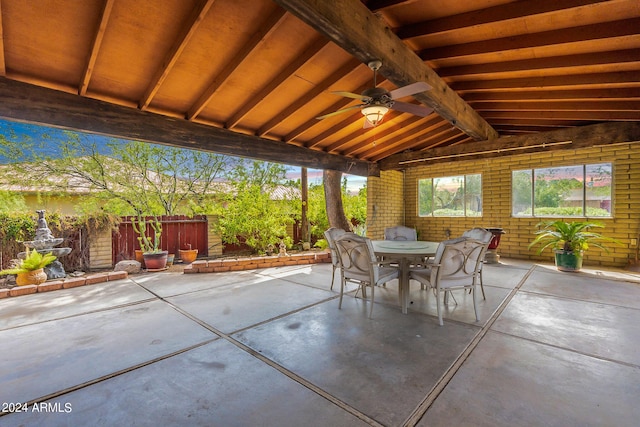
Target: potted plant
<point x="154" y="257"/>
<point x="30" y="270"/>
<point x="569" y="240"/>
<point x="188" y="255"/>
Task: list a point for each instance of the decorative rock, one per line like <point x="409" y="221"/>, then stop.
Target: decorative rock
<point x="129" y="265"/>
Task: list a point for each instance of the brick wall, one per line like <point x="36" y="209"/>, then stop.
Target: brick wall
<point x="385" y="202"/>
<point x="496" y="191"/>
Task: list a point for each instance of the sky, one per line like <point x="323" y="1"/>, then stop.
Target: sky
<point x="15" y="131"/>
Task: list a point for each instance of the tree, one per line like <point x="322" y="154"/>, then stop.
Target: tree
<point x="333" y="198"/>
<point x="136" y="178"/>
<point x="250" y="214"/>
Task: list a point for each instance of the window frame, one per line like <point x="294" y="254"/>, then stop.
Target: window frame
<point x="465" y="202"/>
<point x="584" y="191"/>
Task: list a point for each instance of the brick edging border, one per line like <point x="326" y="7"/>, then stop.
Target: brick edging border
<point x="239" y="264"/>
<point x="198" y="266"/>
<point x="66" y="283"/>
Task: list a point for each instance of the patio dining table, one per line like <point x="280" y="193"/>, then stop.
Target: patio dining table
<point x="405" y="253"/>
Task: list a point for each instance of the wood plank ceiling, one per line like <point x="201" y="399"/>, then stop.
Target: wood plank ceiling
<point x="267" y="69"/>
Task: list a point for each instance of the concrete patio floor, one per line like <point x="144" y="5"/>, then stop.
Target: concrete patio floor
<point x="270" y="347"/>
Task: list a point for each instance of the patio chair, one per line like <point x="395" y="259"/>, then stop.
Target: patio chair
<point x="456" y="266"/>
<point x="331" y="235"/>
<point x="400" y="232"/>
<point x="484" y="236"/>
<point x="358" y="264"/>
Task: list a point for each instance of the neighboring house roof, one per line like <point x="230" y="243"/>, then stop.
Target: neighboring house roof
<point x="576" y="195"/>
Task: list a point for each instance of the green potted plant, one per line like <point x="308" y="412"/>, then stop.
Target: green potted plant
<point x="149" y="239"/>
<point x="569" y="240"/>
<point x="30" y="270"/>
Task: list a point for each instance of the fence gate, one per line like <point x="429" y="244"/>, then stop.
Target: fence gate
<point x="177" y="232"/>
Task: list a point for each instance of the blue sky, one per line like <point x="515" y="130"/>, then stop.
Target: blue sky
<point x="15" y="131"/>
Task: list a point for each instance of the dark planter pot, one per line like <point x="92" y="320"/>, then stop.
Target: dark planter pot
<point x="568" y="261"/>
<point x="155" y="260"/>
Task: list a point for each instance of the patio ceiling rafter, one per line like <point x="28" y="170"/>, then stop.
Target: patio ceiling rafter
<point x="187" y="32"/>
<point x="357" y="30"/>
<point x="273" y="85"/>
<point x="95" y="46"/>
<point x="270" y="25"/>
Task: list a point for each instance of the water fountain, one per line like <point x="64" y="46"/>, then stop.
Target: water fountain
<point x="44" y="243"/>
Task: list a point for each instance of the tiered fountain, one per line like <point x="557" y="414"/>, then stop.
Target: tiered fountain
<point x="44" y="243"/>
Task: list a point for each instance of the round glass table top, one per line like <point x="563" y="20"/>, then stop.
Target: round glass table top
<point x="400" y="244"/>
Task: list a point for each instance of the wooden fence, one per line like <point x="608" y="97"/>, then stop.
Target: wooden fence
<point x="178" y="231"/>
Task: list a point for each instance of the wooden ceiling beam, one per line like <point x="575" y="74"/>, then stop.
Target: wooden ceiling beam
<point x="447" y="135"/>
<point x="33" y="104"/>
<point x="608" y="59"/>
<point x="3" y="65"/>
<point x="490" y="15"/>
<point x="95" y="46"/>
<point x="256" y="40"/>
<point x="544" y="105"/>
<point x="606" y="30"/>
<point x="617" y="79"/>
<point x="561" y="115"/>
<point x="186" y="33"/>
<point x="550" y="95"/>
<point x="308" y="97"/>
<point x="435" y="139"/>
<point x="308" y="54"/>
<point x="557" y="123"/>
<point x="357" y="30"/>
<point x="571" y="138"/>
<point x="404" y="141"/>
<point x="375" y="5"/>
<point x="596" y="116"/>
<point x="384" y="136"/>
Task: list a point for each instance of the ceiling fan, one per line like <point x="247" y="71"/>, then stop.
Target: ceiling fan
<point x="377" y="101"/>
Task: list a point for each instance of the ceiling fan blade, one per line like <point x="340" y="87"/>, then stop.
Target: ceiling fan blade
<point x="344" y="110"/>
<point x="411" y="89"/>
<point x="418" y="110"/>
<point x="352" y="95"/>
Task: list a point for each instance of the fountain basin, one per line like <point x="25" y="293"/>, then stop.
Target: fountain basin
<point x="57" y="252"/>
<point x="44" y="243"/>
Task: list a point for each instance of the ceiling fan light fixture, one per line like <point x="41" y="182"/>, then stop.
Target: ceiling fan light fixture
<point x="374" y="113"/>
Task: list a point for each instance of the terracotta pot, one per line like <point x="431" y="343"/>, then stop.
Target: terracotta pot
<point x="139" y="257"/>
<point x="188" y="255"/>
<point x="155" y="260"/>
<point x="34" y="277"/>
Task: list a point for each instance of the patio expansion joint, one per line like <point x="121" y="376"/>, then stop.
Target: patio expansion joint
<point x="584" y="301"/>
<point x="444" y="380"/>
<point x="100" y="310"/>
<point x="102" y="378"/>
<point x="289" y="374"/>
<point x="581" y="353"/>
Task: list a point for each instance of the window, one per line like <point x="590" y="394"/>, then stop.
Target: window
<point x="450" y="196"/>
<point x="582" y="190"/>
